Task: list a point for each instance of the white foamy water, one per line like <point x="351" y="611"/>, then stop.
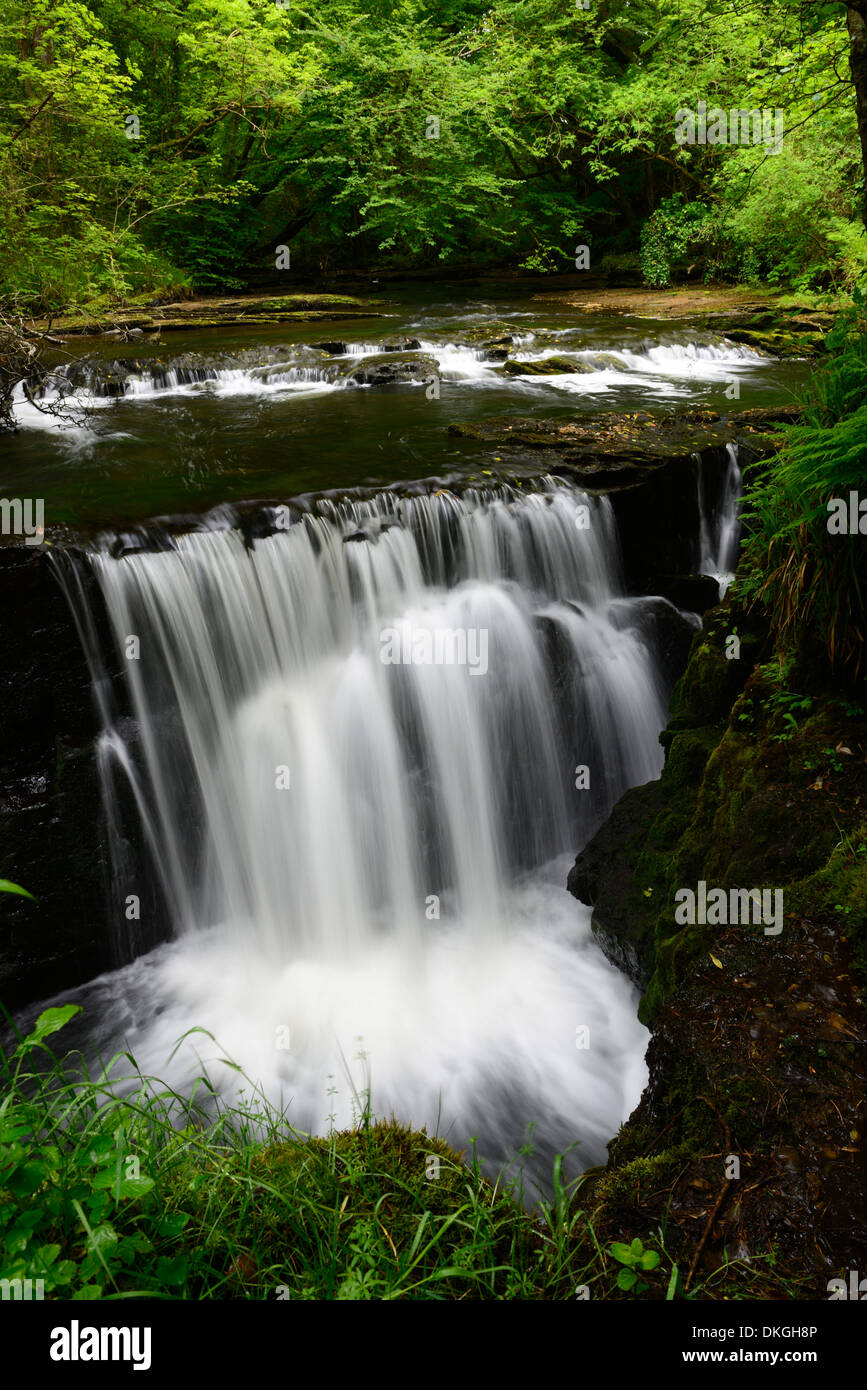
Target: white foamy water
<point x="466" y="1036"/>
<point x="706" y="360"/>
<point x="663" y="370"/>
<point x="457" y="363"/>
<point x="370" y="855"/>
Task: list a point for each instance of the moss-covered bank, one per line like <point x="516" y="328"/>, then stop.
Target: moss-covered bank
<point x="748" y="1141"/>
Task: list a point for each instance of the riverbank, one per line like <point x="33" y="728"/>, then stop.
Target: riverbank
<point x="765" y="318"/>
<point x="774" y="322"/>
<point x="130" y="321"/>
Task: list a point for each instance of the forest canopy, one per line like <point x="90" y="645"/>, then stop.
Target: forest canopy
<point x="173" y="145"/>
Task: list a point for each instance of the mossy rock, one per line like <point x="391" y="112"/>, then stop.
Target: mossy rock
<point x="602" y="876"/>
<point x="712" y="680"/>
<point x="320" y="1217"/>
<point x="639" y="856"/>
<point x="780" y="344"/>
<point x="547" y="366"/>
<point x="775" y="794"/>
<point x="488" y="335"/>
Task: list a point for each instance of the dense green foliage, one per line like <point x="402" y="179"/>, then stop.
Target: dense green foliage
<point x="147" y="149"/>
<point x="810" y="577"/>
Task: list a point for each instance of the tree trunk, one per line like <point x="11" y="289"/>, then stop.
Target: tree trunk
<point x="856" y="19"/>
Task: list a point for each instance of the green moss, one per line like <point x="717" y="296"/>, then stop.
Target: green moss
<point x="752" y="803"/>
<point x="838" y="890"/>
<point x="623" y="1186"/>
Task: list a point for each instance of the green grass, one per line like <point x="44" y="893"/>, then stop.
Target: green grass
<point x="155" y="1194"/>
<point x="152" y="1194"/>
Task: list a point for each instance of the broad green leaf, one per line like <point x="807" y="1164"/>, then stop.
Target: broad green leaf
<point x="15" y="1129"/>
<point x="133" y="1188"/>
<point x="100" y="1147"/>
<point x="51" y="1021"/>
<point x="102" y="1237"/>
<point x="106" y="1178"/>
<point x="172" y="1271"/>
<point x="140" y="1242"/>
<point x="172" y="1225"/>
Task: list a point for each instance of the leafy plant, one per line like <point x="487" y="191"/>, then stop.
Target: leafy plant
<point x="667" y="235"/>
<point x="635" y="1259"/>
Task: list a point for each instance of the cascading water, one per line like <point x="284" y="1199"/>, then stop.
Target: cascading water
<point x="267" y="372"/>
<point x="720" y="529"/>
<point x="359" y="740"/>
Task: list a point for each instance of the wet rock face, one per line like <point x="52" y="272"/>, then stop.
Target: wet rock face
<point x="110" y="379"/>
<point x="102" y="377"/>
<point x="338" y="347"/>
<point x="488" y="335"/>
<point x="695" y="593"/>
<point x="751" y="795"/>
<point x="51" y="836"/>
<point x="603" y="878"/>
<point x="625" y="872"/>
<point x="392" y="369"/>
<point x="400" y="344"/>
<point x="667" y="631"/>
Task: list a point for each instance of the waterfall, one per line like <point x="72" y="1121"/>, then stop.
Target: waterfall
<point x="366" y="747"/>
<point x="719" y="534"/>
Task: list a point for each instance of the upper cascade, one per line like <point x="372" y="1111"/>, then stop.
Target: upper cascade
<point x="429" y="671"/>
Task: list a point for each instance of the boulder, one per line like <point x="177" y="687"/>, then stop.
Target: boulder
<point x="400" y="345"/>
<point x="547" y="366"/>
<point x="391" y="369"/>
